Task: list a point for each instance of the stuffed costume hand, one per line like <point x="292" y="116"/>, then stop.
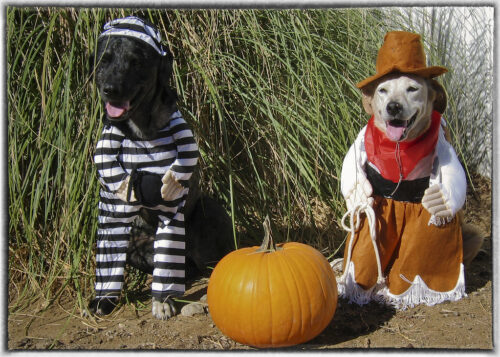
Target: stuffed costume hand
<point x="149" y="189"/>
<point x="360" y="193"/>
<point x="354" y="185"/>
<point x="123" y="191"/>
<point x="436" y="201"/>
<point x="171" y="188"/>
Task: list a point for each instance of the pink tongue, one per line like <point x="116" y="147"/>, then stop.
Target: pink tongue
<point x="394" y="133"/>
<point x="116" y="110"/>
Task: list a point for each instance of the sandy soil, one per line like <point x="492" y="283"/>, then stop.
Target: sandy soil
<point x="465" y="324"/>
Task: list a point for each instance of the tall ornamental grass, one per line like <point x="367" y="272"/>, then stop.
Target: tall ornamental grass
<point x="52" y="125"/>
<point x="270" y="95"/>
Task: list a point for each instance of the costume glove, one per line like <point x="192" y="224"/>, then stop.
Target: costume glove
<point x="171" y="188"/>
<point x="435" y="201"/>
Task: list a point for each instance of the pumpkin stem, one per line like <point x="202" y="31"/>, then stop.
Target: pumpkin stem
<point x="268" y="243"/>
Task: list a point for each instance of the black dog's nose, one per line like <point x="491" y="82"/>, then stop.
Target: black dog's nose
<point x="394" y="108"/>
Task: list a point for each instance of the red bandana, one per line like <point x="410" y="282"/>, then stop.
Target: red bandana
<point x="382" y="152"/>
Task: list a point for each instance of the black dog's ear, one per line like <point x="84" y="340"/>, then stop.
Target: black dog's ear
<point x="166" y="66"/>
<point x="164" y="75"/>
<point x="91" y="63"/>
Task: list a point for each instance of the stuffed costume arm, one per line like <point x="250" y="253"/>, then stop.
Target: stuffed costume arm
<point x="111" y="174"/>
<point x="447" y="187"/>
<point x="187" y="151"/>
<point x="354" y="185"/>
<point x="176" y="179"/>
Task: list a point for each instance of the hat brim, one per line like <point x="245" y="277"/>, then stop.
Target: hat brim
<point x="426" y="72"/>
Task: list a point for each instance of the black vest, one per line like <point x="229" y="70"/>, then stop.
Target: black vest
<point x="408" y="191"/>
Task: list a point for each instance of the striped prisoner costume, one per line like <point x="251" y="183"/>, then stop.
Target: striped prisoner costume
<point x="117" y="158"/>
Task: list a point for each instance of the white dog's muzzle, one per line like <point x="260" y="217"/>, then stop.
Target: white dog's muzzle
<point x="397" y="129"/>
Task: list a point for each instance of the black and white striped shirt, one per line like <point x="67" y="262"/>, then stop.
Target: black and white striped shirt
<point x="174" y="148"/>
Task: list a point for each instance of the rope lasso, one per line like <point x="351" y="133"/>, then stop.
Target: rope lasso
<point x="355" y="212"/>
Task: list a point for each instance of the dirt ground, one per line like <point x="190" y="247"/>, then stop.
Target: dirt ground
<point x="465" y="324"/>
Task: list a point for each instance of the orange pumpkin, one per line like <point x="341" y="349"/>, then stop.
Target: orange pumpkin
<point x="272" y="296"/>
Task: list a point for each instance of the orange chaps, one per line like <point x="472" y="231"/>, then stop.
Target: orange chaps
<point x="421" y="263"/>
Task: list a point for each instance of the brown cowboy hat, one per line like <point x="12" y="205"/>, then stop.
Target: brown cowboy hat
<point x="402" y="52"/>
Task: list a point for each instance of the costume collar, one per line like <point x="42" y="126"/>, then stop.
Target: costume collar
<point x="396" y="160"/>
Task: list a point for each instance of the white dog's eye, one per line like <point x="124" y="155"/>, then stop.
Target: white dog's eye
<point x="412" y="89"/>
<point x="382" y="90"/>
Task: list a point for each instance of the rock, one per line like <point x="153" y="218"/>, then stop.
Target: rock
<point x="449" y="312"/>
<point x="192" y="309"/>
<point x="203" y="299"/>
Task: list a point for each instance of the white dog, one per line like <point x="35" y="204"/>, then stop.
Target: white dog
<point x="408" y="247"/>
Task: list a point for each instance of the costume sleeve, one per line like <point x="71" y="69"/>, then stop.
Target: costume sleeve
<point x="353" y="165"/>
<point x="111" y="173"/>
<point x="187" y="150"/>
<point x="448" y="172"/>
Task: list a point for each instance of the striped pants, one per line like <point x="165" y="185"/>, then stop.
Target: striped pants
<point x="115" y="223"/>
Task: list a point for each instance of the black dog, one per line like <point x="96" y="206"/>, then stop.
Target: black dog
<point x="132" y="75"/>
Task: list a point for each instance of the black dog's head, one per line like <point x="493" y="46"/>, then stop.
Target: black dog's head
<point x="132" y="76"/>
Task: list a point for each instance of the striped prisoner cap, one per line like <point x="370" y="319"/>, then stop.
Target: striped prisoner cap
<point x="135" y="27"/>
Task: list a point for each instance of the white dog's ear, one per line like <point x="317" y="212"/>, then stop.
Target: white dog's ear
<point x="440" y="99"/>
<point x="367" y="98"/>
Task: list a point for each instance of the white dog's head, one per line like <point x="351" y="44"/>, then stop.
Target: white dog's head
<point x="402" y="104"/>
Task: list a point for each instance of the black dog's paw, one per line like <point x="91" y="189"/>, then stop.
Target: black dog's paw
<point x="147" y="188"/>
<point x="102" y="306"/>
<point x="150" y="190"/>
<point x="164" y="309"/>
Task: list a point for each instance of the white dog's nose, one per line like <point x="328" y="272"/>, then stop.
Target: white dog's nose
<point x="394" y="108"/>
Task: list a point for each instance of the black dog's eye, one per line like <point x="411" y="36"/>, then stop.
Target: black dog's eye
<point x="412" y="89"/>
<point x="106" y="58"/>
